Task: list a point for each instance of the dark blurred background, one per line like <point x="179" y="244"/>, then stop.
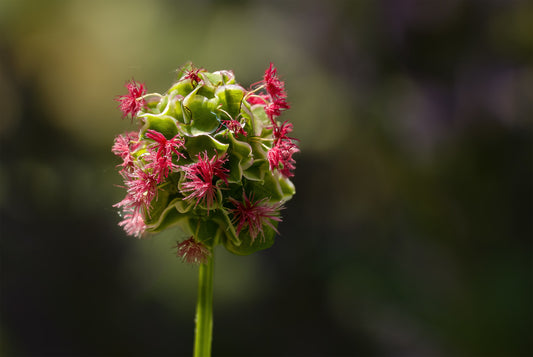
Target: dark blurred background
<point x="411" y="230"/>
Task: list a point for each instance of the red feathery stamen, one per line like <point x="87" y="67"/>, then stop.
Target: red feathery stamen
<point x="141" y="190"/>
<point x="124" y="146"/>
<point x="254" y="215"/>
<point x="274" y="86"/>
<point x="193" y="252"/>
<point x="280" y="155"/>
<point x="133" y="224"/>
<point x="234" y="126"/>
<point x="131" y="103"/>
<point x="261" y="99"/>
<point x="160" y="154"/>
<point x="280" y="158"/>
<point x="193" y="75"/>
<point x="200" y="178"/>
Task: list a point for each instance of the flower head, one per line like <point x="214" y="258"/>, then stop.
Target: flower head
<point x="201" y="178"/>
<point x="203" y="146"/>
<point x="254" y="215"/>
<point x="193" y="252"/>
<point x="131" y="103"/>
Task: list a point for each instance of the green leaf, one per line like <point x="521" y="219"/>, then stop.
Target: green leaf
<point x="175" y="108"/>
<point x="166" y="126"/>
<point x="170" y="217"/>
<point x="259" y="151"/>
<point x="209" y="84"/>
<point x="207" y="91"/>
<point x="235" y="173"/>
<point x="164" y="214"/>
<point x="249" y="245"/>
<point x="214" y="79"/>
<point x="183" y="87"/>
<point x="201" y="143"/>
<point x="157" y="207"/>
<point x="231" y="96"/>
<point x="203" y="116"/>
<point x="228" y="77"/>
<point x="158" y="107"/>
<point x="269" y="188"/>
<point x="204" y="228"/>
<point x="229" y="231"/>
<point x="287" y="188"/>
<point x="219" y="77"/>
<point x="257" y="171"/>
<point x="261" y="122"/>
<point x="243" y="151"/>
<point x="240" y="157"/>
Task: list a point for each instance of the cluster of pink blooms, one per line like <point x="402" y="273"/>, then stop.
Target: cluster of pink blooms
<point x="275" y="101"/>
<point x="149" y="158"/>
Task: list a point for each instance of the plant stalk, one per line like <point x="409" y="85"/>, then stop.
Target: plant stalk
<point x="204" y="309"/>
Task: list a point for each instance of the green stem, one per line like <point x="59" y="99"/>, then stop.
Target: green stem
<point x="204" y="310"/>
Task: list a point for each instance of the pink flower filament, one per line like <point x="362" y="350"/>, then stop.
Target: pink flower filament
<point x="123" y="147"/>
<point x="280" y="155"/>
<point x="161" y="152"/>
<point x="193" y="252"/>
<point x="234" y="126"/>
<point x="131" y="103"/>
<point x="201" y="178"/>
<point x="254" y="215"/>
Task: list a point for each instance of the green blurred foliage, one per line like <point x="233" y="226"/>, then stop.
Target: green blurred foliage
<point x="410" y="233"/>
